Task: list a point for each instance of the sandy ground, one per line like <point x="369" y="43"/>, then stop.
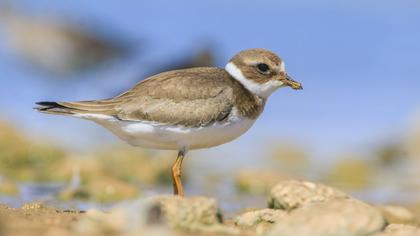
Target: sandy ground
<point x="33" y="219"/>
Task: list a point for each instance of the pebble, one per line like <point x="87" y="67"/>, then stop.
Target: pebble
<point x="253" y="218"/>
<point x="397" y="214"/>
<point x="400" y="230"/>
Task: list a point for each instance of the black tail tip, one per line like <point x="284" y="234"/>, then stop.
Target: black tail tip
<point x="47" y="104"/>
<point x="44" y="106"/>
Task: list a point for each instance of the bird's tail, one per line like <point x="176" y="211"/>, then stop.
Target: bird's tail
<point x="105" y="107"/>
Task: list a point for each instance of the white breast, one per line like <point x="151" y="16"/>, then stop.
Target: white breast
<point x="159" y="136"/>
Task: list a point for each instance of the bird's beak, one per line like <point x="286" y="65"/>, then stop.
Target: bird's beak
<point x="288" y="81"/>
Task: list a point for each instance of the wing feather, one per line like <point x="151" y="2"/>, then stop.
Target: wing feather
<point x="192" y="97"/>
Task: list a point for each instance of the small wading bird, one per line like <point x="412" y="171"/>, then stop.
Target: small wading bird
<point x="187" y="109"/>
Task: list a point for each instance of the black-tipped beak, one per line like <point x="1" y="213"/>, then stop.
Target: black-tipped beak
<point x="291" y="83"/>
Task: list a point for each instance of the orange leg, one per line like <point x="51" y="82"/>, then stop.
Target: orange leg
<point x="176" y="175"/>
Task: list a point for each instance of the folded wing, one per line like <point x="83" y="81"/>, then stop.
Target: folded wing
<point x="191" y="97"/>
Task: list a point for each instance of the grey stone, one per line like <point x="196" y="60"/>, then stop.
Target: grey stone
<point x="189" y="212"/>
<point x="339" y="216"/>
<point x="253" y="218"/>
<point x="400" y="230"/>
<point x="397" y="214"/>
<point x="292" y="194"/>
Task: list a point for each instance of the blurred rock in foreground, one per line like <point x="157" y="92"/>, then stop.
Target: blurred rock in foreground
<point x="334" y="217"/>
<point x="35" y="219"/>
<point x="302" y="208"/>
<point x="397" y="214"/>
<point x="162" y="215"/>
<point x="292" y="194"/>
<point x="400" y="230"/>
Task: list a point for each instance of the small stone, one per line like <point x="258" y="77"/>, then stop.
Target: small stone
<point x="253" y="218"/>
<point x="292" y="194"/>
<point x="157" y="215"/>
<point x="127" y="219"/>
<point x="217" y="229"/>
<point x="397" y="214"/>
<point x="263" y="228"/>
<point x="400" y="230"/>
<point x="32" y="206"/>
<point x="96" y="222"/>
<point x="338" y="216"/>
<point x="191" y="212"/>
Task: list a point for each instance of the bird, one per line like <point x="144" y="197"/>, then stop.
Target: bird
<point x="187" y="109"/>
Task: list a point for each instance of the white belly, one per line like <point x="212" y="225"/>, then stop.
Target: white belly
<point x="154" y="135"/>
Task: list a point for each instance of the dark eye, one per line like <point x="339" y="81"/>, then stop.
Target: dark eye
<point x="262" y="67"/>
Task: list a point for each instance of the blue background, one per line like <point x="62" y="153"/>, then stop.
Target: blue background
<point x="359" y="62"/>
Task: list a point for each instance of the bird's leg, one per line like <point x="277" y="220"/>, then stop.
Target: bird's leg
<point x="176" y="174"/>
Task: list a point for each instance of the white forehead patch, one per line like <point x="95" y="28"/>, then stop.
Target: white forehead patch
<point x="261" y="90"/>
<point x="282" y="67"/>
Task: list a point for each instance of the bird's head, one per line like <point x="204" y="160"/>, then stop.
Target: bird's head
<point x="260" y="71"/>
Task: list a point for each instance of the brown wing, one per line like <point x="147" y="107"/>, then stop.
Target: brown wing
<point x="191" y="97"/>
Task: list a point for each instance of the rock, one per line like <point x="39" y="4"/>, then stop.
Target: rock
<point x="253" y="218"/>
<point x="292" y="194"/>
<point x="35" y="219"/>
<point x="257" y="181"/>
<point x="96" y="222"/>
<point x="397" y="214"/>
<point x="400" y="230"/>
<point x="32" y="206"/>
<point x="259" y="222"/>
<point x="134" y="218"/>
<point x="220" y="230"/>
<point x="263" y="228"/>
<point x="194" y="214"/>
<point x="189" y="212"/>
<point x="156" y="216"/>
<point x="339" y="216"/>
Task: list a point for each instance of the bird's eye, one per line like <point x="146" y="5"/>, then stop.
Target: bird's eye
<point x="262" y="67"/>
